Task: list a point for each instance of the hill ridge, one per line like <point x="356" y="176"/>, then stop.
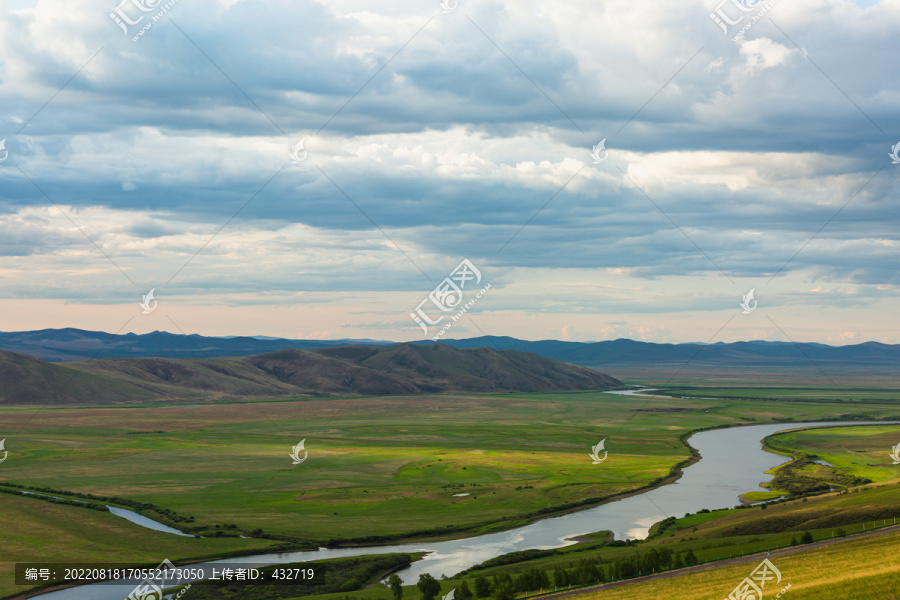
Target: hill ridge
<point x="336" y="371"/>
<point x="70" y="344"/>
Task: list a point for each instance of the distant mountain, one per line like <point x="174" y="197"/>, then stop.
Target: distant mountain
<point x="57" y="345"/>
<point x="735" y="354"/>
<point x="343" y="370"/>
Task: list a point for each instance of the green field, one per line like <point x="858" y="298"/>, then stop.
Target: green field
<point x="800" y="394"/>
<point x="380" y="466"/>
<point x="863" y="451"/>
<point x="376" y="466"/>
<point x="379" y="469"/>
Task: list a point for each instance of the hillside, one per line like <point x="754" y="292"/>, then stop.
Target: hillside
<point x="27" y="380"/>
<point x="345" y="370"/>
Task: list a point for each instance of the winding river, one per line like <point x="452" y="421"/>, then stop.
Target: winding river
<point x="733" y="462"/>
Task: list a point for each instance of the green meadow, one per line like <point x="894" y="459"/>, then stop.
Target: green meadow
<point x="830" y="458"/>
<point x="379" y="469"/>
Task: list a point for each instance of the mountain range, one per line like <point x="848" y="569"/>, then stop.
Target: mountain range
<point x="59" y="345"/>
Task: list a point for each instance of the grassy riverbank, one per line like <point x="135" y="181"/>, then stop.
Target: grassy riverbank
<point x="706" y="537"/>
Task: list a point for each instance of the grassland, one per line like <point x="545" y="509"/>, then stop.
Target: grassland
<point x="809" y="378"/>
<point x="383" y="466"/>
<point x="858" y="450"/>
<point x="829" y="459"/>
<point x="840" y="385"/>
<point x="799" y="394"/>
<point x="378" y="468"/>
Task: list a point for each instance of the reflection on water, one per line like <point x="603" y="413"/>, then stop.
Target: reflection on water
<point x="642" y="527"/>
<point x="144" y="521"/>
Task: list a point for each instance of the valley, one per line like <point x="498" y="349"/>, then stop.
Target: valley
<point x="385" y="469"/>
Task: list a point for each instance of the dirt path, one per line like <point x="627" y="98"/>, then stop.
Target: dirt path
<point x="728" y="561"/>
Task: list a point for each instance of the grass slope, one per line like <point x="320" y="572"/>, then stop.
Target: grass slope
<point x="854" y="570"/>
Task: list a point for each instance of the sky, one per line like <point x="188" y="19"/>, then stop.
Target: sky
<point x="321" y="169"/>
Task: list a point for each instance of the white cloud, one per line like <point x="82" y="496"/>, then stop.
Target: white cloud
<point x="763" y="53"/>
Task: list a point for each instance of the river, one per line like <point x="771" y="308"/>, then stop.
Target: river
<point x="733" y="462"/>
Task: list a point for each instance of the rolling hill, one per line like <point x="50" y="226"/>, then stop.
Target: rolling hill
<point x="339" y="371"/>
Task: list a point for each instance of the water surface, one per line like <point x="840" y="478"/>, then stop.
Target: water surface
<point x="144" y="521"/>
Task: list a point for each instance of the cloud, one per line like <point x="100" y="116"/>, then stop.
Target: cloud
<point x="458" y="135"/>
<point x="763" y="53"/>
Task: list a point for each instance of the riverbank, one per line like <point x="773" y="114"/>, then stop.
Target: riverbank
<point x="806" y="473"/>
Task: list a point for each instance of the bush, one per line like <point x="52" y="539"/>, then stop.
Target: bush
<point x="504" y="589"/>
<point x="482" y="586"/>
<point x="464" y="592"/>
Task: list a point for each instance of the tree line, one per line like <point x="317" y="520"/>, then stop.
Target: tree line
<point x="505" y="585"/>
